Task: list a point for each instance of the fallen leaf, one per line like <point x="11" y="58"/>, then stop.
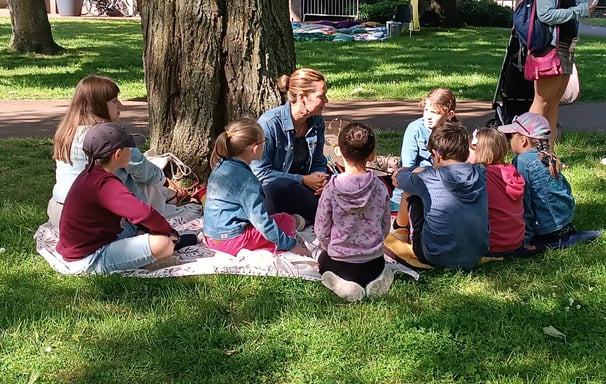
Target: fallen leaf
<point x="551" y="331"/>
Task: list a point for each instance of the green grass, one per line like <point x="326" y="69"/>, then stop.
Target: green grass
<point x="481" y="327"/>
<point x="466" y="60"/>
<point x="598" y="21"/>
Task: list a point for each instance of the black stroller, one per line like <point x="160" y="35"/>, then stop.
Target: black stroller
<point x="516" y="93"/>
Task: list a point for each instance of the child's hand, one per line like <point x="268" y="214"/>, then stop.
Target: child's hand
<point x="299" y="250"/>
<point x="394" y="176"/>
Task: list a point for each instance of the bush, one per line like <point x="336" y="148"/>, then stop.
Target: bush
<point x="380" y="11"/>
<point x="484" y="13"/>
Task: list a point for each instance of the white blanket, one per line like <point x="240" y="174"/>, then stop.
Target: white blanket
<point x="201" y="260"/>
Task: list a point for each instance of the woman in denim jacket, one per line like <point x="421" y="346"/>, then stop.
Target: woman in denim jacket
<point x="563" y="18"/>
<point x="234" y="215"/>
<point x="548" y="202"/>
<point x="95" y="101"/>
<point x="293" y="167"/>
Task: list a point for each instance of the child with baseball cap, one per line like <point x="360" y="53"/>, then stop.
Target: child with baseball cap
<point x="548" y="202"/>
<point x="98" y="229"/>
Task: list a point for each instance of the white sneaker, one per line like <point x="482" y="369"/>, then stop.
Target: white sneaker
<point x="379" y="286"/>
<point x="299" y="222"/>
<point x="345" y="289"/>
<point x="603" y="162"/>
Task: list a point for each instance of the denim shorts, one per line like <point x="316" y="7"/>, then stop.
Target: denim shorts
<point x="129" y="251"/>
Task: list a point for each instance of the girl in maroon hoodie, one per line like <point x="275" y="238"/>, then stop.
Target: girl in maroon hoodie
<point x="505" y="187"/>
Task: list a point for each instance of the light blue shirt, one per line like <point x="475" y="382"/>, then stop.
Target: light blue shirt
<point x="549" y="13"/>
<point x="414" y="152"/>
<point x="139" y="171"/>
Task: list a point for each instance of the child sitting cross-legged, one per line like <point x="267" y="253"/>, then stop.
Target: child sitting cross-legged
<point x="505" y="187"/>
<point x="98" y="229"/>
<point x="234" y="215"/>
<point x="444" y="209"/>
<point x="548" y="202"/>
<point x="352" y="221"/>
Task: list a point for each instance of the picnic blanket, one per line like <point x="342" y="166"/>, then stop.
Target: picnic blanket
<point x="328" y="31"/>
<point x="201" y="260"/>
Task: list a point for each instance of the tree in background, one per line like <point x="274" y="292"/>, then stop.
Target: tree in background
<point x="31" y="31"/>
<point x="208" y="62"/>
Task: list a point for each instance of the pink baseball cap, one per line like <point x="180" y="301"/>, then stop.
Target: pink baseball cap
<point x="529" y="124"/>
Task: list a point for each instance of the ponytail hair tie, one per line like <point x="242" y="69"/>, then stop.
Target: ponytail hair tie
<point x="228" y="134"/>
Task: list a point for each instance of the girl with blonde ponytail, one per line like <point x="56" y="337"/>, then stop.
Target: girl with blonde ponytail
<point x="234" y="214"/>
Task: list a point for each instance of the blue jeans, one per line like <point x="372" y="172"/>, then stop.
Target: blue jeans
<point x="128" y="251"/>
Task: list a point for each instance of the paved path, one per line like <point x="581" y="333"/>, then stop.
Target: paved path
<point x="31" y="118"/>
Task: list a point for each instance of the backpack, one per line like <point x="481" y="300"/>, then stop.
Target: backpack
<point x="541" y="33"/>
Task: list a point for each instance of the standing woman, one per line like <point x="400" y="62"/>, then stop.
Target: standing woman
<point x="95" y="101"/>
<point x="563" y="20"/>
<point x="293" y="167"/>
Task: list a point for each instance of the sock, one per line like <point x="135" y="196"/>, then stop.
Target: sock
<point x="398" y="226"/>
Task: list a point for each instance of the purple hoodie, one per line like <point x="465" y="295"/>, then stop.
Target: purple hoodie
<point x="353" y="218"/>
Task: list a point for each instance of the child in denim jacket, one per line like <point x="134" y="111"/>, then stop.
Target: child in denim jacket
<point x="548" y="202"/>
<point x="352" y="221"/>
<point x="234" y="214"/>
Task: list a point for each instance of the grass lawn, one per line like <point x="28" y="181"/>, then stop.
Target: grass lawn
<point x="598" y="21"/>
<point x="481" y="327"/>
<point x="467" y="60"/>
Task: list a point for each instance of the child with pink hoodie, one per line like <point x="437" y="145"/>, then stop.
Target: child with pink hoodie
<point x="353" y="219"/>
<point x="505" y="187"/>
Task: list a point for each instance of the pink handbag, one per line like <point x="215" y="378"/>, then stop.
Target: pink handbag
<point x="538" y="67"/>
<point x="546" y="65"/>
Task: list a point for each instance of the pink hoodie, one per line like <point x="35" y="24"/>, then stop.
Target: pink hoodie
<point x="505" y="187"/>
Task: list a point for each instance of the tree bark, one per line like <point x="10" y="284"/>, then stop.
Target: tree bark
<point x="31" y="31"/>
<point x="207" y="63"/>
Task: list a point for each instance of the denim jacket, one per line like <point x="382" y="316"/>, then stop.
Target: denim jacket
<point x="279" y="150"/>
<point x="549" y="13"/>
<point x="234" y="199"/>
<point x="548" y="202"/>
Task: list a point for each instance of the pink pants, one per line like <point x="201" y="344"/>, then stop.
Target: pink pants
<point x="252" y="239"/>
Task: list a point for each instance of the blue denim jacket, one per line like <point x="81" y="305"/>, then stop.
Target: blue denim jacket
<point x="279" y="150"/>
<point x="234" y="199"/>
<point x="548" y="202"/>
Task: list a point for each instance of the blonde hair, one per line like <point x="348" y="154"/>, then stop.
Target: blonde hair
<point x="238" y="136"/>
<point x="299" y="82"/>
<point x="442" y="98"/>
<point x="547" y="157"/>
<point x="87" y="107"/>
<point x="491" y="146"/>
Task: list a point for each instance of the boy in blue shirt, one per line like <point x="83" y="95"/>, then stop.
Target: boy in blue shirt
<point x="444" y="209"/>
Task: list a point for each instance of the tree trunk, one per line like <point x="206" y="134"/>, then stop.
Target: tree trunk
<point x="31" y="32"/>
<point x="207" y="63"/>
